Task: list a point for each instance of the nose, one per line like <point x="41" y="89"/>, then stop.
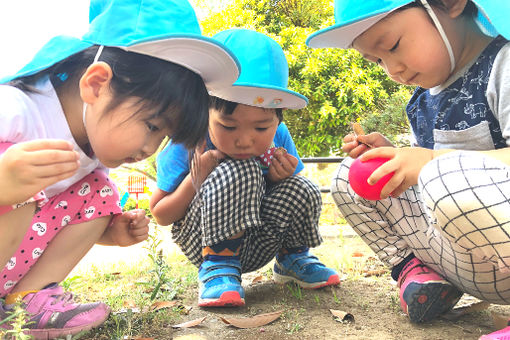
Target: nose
<point x="243" y="140"/>
<point x="393" y="68"/>
<point x="150" y="147"/>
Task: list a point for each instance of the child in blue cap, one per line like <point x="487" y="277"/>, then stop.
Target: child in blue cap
<point x="79" y="107"/>
<point x="443" y="220"/>
<point x="243" y="203"/>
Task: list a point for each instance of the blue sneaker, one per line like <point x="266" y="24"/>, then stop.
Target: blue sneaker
<point x="304" y="269"/>
<point x="220" y="282"/>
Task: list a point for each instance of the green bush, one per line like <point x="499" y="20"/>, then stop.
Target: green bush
<point x="342" y="87"/>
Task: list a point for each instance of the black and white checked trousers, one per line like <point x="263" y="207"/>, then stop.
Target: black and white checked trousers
<point x="234" y="198"/>
<point x="456" y="220"/>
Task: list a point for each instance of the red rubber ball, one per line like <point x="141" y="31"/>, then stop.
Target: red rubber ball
<point x="359" y="173"/>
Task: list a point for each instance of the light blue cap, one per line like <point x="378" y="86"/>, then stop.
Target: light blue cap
<point x="265" y="72"/>
<point x="165" y="29"/>
<point x="353" y="17"/>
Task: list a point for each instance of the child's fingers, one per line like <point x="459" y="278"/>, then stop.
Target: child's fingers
<point x="138" y="232"/>
<point x="394" y="186"/>
<point x="382" y="152"/>
<point x="55" y="170"/>
<point x="42" y="144"/>
<point x="44" y="157"/>
<point x="382" y="171"/>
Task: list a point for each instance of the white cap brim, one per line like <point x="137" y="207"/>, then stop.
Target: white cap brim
<point x="262" y="96"/>
<point x="342" y="35"/>
<point x="204" y="56"/>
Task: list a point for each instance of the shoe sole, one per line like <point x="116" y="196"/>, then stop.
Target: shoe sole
<point x="227" y="299"/>
<point x="427" y="301"/>
<point x="333" y="280"/>
<point x="52" y="333"/>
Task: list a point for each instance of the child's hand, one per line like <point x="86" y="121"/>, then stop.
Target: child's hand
<point x="405" y="162"/>
<point x="356" y="145"/>
<point x="282" y="165"/>
<point x="208" y="161"/>
<point x="128" y="228"/>
<point x="27" y="168"/>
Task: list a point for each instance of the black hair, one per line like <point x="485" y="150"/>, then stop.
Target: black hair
<point x="469" y="10"/>
<point x="167" y="90"/>
<point x="227" y="107"/>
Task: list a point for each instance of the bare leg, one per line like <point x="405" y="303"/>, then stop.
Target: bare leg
<point x="13" y="226"/>
<point x="62" y="254"/>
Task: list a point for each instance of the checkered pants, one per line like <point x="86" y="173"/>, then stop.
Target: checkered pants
<point x="234" y="198"/>
<point x="457" y="221"/>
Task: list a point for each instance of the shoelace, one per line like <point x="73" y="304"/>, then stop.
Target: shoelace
<point x="65" y="298"/>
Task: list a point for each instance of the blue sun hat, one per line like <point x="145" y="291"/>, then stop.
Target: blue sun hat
<point x="265" y="72"/>
<point x="164" y="29"/>
<point x="353" y="17"/>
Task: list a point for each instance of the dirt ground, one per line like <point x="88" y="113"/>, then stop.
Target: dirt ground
<point x="372" y="300"/>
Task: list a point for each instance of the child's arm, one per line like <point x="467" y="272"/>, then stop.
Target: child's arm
<point x="407" y="163"/>
<point x="169" y="207"/>
<point x="27" y="168"/>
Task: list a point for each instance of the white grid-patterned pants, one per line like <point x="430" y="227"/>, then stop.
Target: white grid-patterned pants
<point x="457" y="221"/>
<point x="234" y="198"/>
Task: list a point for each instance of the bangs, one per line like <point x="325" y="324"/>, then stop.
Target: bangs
<point x="169" y="92"/>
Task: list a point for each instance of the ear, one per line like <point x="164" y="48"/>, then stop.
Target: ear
<point x="95" y="81"/>
<point x="454" y="8"/>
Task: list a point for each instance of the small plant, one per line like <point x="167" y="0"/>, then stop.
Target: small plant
<point x="295" y="328"/>
<point x="72" y="281"/>
<point x="295" y="290"/>
<point x="18" y="319"/>
<point x="337" y="300"/>
<point x="160" y="269"/>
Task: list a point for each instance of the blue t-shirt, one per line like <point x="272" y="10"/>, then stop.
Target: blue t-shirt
<point x="173" y="160"/>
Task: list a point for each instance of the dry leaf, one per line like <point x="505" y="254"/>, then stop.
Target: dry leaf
<point x="377" y="272"/>
<point x="500" y="321"/>
<point x="257" y="279"/>
<point x="254" y="321"/>
<point x="456" y="313"/>
<point x="191" y="323"/>
<point x="342" y="316"/>
<point x="357" y="254"/>
<point x="357" y="129"/>
<point x="157" y="305"/>
<point x="129" y="304"/>
<point x="190" y="337"/>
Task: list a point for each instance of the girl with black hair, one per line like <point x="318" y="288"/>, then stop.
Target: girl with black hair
<point x="82" y="106"/>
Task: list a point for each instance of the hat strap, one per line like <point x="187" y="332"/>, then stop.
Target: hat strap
<point x="96" y="58"/>
<point x="441" y="33"/>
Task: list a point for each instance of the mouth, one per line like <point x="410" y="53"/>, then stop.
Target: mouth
<point x="410" y="80"/>
<point x="130" y="160"/>
<point x="242" y="156"/>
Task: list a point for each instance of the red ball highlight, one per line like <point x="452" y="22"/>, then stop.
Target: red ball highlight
<point x="359" y="173"/>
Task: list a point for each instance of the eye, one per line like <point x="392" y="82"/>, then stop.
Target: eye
<point x="261" y="129"/>
<point x="229" y="128"/>
<point x="395" y="46"/>
<point x="151" y="127"/>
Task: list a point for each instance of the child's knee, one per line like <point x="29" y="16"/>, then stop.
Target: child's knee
<point x="340" y="188"/>
<point x="234" y="173"/>
<point x="303" y="187"/>
<point x="92" y="197"/>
